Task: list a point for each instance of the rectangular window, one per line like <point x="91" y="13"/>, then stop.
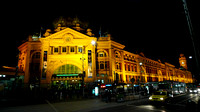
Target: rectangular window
<point x="64" y="49"/>
<point x="80" y="49"/>
<point x="72" y="49"/>
<point x="121" y="79"/>
<point x="117" y="66"/>
<point x="101" y="65"/>
<point x="56" y="50"/>
<point x="129" y="68"/>
<point x="106" y="63"/>
<point x="135" y="68"/>
<point x="132" y="68"/>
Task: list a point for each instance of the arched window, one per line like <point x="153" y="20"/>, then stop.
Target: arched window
<point x="102" y="53"/>
<point x="117" y="54"/>
<point x="68" y="69"/>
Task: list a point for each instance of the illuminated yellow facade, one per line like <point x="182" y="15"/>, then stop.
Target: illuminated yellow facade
<point x="63" y="55"/>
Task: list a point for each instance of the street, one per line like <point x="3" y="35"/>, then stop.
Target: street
<point x="181" y="102"/>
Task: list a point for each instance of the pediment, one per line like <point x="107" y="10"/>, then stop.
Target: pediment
<point x="68" y="33"/>
<point x="67" y="36"/>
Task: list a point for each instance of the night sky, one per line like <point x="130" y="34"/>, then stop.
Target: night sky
<point x="158" y="28"/>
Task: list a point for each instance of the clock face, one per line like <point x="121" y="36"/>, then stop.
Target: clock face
<point x="68" y="38"/>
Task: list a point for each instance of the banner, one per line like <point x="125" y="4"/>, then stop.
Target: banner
<point x="89" y="64"/>
<point x="44" y="70"/>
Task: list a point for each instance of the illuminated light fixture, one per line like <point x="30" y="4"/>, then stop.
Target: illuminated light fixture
<point x="150" y="98"/>
<point x="161" y="98"/>
<point x="140" y="63"/>
<point x="190" y="57"/>
<point x="93" y="42"/>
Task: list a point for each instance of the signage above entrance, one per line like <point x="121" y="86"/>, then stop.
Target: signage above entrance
<point x="64" y="75"/>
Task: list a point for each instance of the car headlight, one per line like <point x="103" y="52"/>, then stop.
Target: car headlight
<point x="161" y="98"/>
<point x="190" y="90"/>
<point x="195" y="91"/>
<point x="198" y="89"/>
<point x="150" y="98"/>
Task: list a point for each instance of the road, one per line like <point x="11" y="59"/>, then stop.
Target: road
<point x="183" y="102"/>
<point x="176" y="104"/>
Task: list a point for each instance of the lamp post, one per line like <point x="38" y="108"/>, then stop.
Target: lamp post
<point x="190" y="27"/>
<point x="83" y="76"/>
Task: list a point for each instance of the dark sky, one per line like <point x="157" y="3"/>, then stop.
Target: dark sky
<point x="158" y="28"/>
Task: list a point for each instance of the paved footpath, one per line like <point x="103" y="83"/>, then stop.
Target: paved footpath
<point x="73" y="106"/>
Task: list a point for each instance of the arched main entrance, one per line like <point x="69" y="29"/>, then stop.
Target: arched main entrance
<point x="67" y="69"/>
<point x="35" y="68"/>
<point x="68" y="76"/>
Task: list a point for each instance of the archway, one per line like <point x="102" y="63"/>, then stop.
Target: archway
<point x="67" y="75"/>
<point x="34" y="66"/>
<point x="67" y="69"/>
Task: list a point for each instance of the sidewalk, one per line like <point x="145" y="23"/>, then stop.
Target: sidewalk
<point x="72" y="106"/>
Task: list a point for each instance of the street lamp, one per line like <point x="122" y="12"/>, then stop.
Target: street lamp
<point x="93" y="42"/>
<point x="83" y="76"/>
<point x="190" y="27"/>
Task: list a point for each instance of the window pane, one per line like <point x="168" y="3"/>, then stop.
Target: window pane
<point x="80" y="49"/>
<point x="56" y="50"/>
<point x="101" y="54"/>
<point x="71" y="49"/>
<point x="64" y="49"/>
<point x="101" y="66"/>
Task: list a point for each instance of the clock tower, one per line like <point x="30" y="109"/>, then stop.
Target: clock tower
<point x="183" y="62"/>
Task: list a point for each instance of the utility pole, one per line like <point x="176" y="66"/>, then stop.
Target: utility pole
<point x="192" y="37"/>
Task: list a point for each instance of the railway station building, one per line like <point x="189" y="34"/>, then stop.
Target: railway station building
<point x="66" y="54"/>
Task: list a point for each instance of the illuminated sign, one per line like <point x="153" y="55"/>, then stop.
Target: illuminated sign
<point x="67" y="75"/>
<point x="108" y="85"/>
<point x="96" y="91"/>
